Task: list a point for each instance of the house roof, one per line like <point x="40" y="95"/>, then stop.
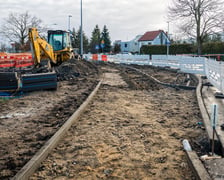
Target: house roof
<point x="150" y="35"/>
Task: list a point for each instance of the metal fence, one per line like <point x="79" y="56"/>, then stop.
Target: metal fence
<point x="214" y="70"/>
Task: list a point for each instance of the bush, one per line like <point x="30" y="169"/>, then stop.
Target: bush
<point x="207" y="48"/>
<point x="213" y="48"/>
<point x="173" y="49"/>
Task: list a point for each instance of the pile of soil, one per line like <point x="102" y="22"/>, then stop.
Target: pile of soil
<point x="75" y="68"/>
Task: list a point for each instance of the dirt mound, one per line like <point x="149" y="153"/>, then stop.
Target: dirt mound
<point x="74" y="68"/>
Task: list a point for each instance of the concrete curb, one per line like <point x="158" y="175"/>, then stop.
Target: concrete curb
<point x="197" y="166"/>
<point x="203" y="110"/>
<point x="34" y="163"/>
<point x="193" y="159"/>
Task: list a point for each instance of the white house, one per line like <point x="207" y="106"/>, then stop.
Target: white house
<point x="129" y="46"/>
<point x="149" y="38"/>
<point x="154" y="38"/>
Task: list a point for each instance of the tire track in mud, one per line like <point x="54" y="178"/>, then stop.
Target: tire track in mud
<point x="132" y="130"/>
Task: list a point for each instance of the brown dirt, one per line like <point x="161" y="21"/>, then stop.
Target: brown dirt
<point x="132" y="130"/>
<point x="26" y="123"/>
<point x="175" y="76"/>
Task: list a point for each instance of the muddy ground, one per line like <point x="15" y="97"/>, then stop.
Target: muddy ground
<point x="27" y="122"/>
<point x="132" y="130"/>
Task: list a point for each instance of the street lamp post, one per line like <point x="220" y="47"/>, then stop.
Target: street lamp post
<point x="81" y="35"/>
<point x="69" y="22"/>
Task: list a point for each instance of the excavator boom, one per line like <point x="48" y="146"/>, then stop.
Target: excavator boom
<point x="57" y="49"/>
<point x="40" y="48"/>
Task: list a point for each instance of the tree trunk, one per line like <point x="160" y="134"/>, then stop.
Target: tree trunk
<point x="199" y="44"/>
<point x="198" y="21"/>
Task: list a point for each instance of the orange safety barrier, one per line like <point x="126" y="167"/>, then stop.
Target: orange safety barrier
<point x="95" y="57"/>
<point x="7" y="61"/>
<point x="16" y="60"/>
<point x="104" y="57"/>
<point x="23" y="60"/>
<point x="3" y="54"/>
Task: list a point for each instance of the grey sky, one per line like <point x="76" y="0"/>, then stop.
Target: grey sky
<point x="124" y="18"/>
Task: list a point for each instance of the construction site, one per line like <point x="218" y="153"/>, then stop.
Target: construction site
<point x="107" y="117"/>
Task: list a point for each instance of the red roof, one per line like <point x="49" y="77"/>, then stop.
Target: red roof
<point x="150" y="35"/>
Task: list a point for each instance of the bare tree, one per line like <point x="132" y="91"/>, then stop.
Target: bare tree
<point x="16" y="27"/>
<point x="198" y="18"/>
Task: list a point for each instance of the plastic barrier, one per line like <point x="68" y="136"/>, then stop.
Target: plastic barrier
<point x="104" y="57"/>
<point x="95" y="57"/>
<point x="7" y="61"/>
<point x="15" y="60"/>
<point x="23" y="60"/>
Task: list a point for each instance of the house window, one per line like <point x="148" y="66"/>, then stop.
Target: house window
<point x="125" y="45"/>
<point x="149" y="43"/>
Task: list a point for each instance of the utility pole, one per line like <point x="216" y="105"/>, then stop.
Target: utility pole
<point x="81" y="38"/>
<point x="69" y="16"/>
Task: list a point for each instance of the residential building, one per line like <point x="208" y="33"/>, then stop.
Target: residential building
<point x="154" y="38"/>
<point x="149" y="38"/>
<point x="129" y="46"/>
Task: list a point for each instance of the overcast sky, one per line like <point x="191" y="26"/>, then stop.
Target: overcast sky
<point x="124" y="18"/>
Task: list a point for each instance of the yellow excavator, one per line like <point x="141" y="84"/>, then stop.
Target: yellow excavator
<point x="56" y="49"/>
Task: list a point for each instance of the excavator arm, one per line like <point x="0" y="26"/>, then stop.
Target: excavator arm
<point x="40" y="48"/>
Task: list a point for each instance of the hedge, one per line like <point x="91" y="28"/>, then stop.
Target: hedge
<point x="207" y="48"/>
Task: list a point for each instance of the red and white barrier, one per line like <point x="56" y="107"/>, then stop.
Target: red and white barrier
<point x="98" y="57"/>
<point x="15" y="60"/>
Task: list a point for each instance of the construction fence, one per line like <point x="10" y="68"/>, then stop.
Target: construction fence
<point x="15" y="60"/>
<point x="214" y="70"/>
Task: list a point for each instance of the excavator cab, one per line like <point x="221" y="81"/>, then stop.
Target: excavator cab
<point x="57" y="49"/>
<point x="61" y="42"/>
<point x="59" y="39"/>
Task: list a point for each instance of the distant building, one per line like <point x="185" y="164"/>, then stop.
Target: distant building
<point x="129" y="46"/>
<point x="149" y="38"/>
<point x="154" y="38"/>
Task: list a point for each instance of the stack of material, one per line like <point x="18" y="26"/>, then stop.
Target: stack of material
<point x="8" y="81"/>
<point x="42" y="81"/>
